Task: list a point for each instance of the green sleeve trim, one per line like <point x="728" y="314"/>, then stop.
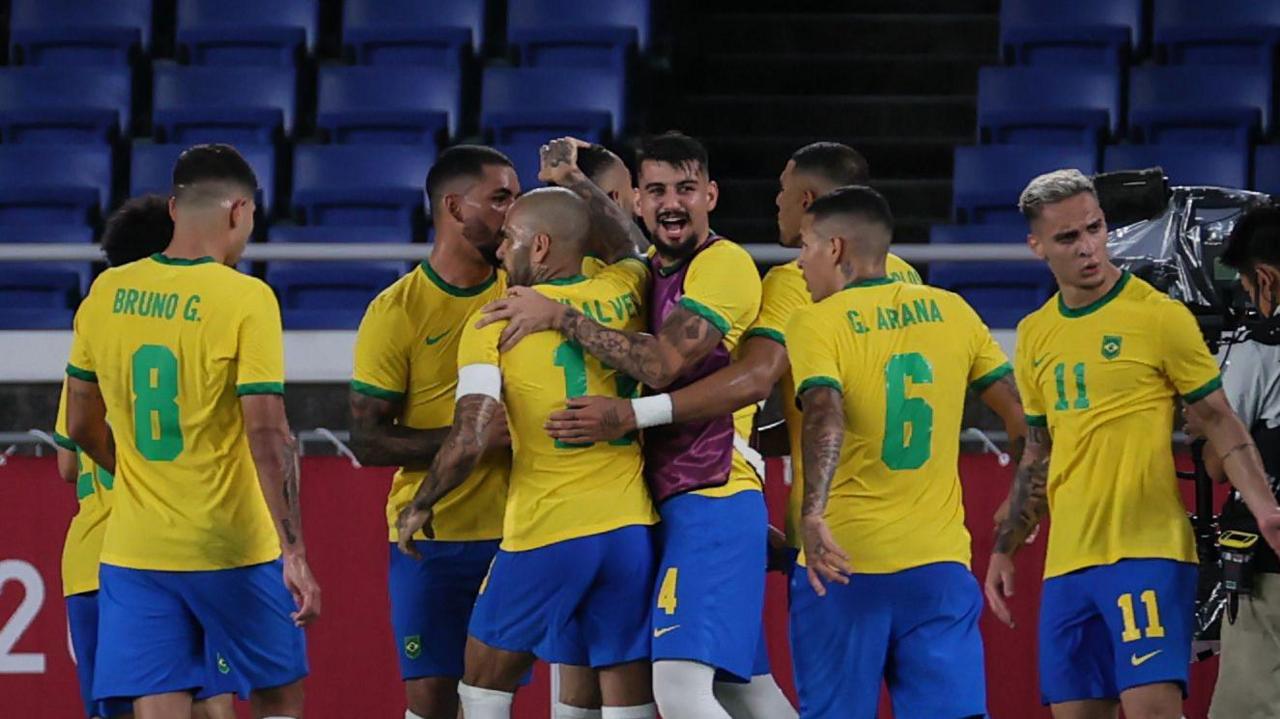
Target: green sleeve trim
<point x="1203" y="391"/>
<point x="706" y="313"/>
<point x="982" y="383"/>
<point x="1037" y="420"/>
<point x="259" y="388"/>
<point x="820" y="381"/>
<point x="81" y="374"/>
<point x="64" y="442"/>
<point x="767" y="333"/>
<point x="375" y="391"/>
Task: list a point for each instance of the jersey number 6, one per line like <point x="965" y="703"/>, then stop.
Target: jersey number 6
<point x="908" y="421"/>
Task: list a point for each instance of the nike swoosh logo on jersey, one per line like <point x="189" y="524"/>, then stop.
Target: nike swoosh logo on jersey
<point x="1036" y="362"/>
<point x="1138" y="661"/>
<point x="664" y="630"/>
<point x="437" y="338"/>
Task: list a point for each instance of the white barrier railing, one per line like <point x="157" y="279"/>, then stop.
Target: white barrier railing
<point x="338" y="252"/>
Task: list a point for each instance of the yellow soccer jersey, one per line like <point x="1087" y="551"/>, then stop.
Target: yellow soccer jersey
<point x="173" y="344"/>
<point x="560" y="491"/>
<point x="1104" y="379"/>
<point x="84" y="536"/>
<point x="407" y="350"/>
<point x="784" y="293"/>
<point x="723" y="286"/>
<point x="902" y="355"/>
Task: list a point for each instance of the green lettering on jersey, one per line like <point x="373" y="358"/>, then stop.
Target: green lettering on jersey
<point x="921" y="308"/>
<point x="855" y="321"/>
<point x="119" y="301"/>
<point x="604" y="316"/>
<point x="935" y="314"/>
<point x="907" y="317"/>
<point x="892" y="314"/>
<point x="130" y="300"/>
<point x="189" y="310"/>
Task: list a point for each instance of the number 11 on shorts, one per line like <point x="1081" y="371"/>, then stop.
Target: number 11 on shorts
<point x="667" y="591"/>
<point x="1130" y="632"/>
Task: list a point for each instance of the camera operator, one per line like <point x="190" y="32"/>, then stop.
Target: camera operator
<point x="1249" y="672"/>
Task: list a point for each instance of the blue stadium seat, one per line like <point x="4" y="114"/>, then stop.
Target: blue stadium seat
<point x="372" y="234"/>
<point x="1014" y="107"/>
<point x="36" y="297"/>
<point x="360" y="184"/>
<point x="527" y="104"/>
<point x="328" y="295"/>
<point x="1070" y="32"/>
<point x="50" y="234"/>
<point x="1200" y="104"/>
<point x="1227" y="32"/>
<point x="246" y="32"/>
<point x="1001" y="292"/>
<point x="53" y="184"/>
<point x="413" y="32"/>
<point x="389" y="105"/>
<point x="1184" y="164"/>
<point x="1266" y="169"/>
<point x="989" y="178"/>
<point x="1012" y="233"/>
<point x="578" y="33"/>
<point x="83" y="33"/>
<point x="63" y="104"/>
<point x="151" y="169"/>
<point x="524" y="155"/>
<point x="249" y="105"/>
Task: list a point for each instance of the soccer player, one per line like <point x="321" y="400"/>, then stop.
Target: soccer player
<point x="880" y="367"/>
<point x="140" y="228"/>
<point x="401" y="398"/>
<point x="705" y="292"/>
<point x="576" y="550"/>
<point x="1099" y="367"/>
<point x="183" y="356"/>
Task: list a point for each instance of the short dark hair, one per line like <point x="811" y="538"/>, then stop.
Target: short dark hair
<point x="460" y="161"/>
<point x="594" y="161"/>
<point x="855" y="201"/>
<point x="1255" y="239"/>
<point x="139" y="228"/>
<point x="833" y="161"/>
<point x="212" y="163"/>
<point x="676" y="149"/>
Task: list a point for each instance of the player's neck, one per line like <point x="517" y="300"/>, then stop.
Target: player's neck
<point x="459" y="266"/>
<point x="1076" y="297"/>
<point x="666" y="261"/>
<point x="190" y="246"/>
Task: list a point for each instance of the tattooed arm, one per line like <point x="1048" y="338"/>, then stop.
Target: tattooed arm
<point x="468" y="438"/>
<point x="275" y="455"/>
<point x="1028" y="504"/>
<point x="377" y="441"/>
<point x="614" y="233"/>
<point x="822" y="439"/>
<point x="1002" y="397"/>
<point x="657" y="360"/>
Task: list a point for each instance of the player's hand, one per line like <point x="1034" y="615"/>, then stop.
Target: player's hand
<point x="1269" y="527"/>
<point x="410" y="522"/>
<point x="525" y="311"/>
<point x="999" y="586"/>
<point x="1002" y="513"/>
<point x="825" y="559"/>
<point x="559" y="160"/>
<point x="592" y="419"/>
<point x="304" y="588"/>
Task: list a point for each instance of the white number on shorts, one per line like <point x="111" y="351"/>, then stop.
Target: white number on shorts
<point x="12" y="662"/>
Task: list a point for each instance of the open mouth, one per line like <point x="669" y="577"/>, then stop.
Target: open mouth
<point x="672" y="227"/>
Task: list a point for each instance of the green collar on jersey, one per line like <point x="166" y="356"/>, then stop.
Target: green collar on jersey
<point x="179" y="261"/>
<point x="1097" y="304"/>
<point x="874" y="281"/>
<point x="572" y="280"/>
<point x="455" y="290"/>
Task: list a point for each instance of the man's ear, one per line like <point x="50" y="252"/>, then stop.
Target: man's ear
<point x="1036" y="246"/>
<point x="806" y="198"/>
<point x="635" y="202"/>
<point x="836" y="249"/>
<point x="613" y="195"/>
<point x="453" y="206"/>
<point x="540" y="247"/>
<point x="713" y="195"/>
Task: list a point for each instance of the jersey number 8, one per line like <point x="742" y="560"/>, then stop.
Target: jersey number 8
<point x="157" y="427"/>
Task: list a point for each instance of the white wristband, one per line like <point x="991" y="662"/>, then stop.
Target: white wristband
<point x="652" y="411"/>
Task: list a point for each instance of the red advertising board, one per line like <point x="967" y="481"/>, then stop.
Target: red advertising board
<point x="352" y="654"/>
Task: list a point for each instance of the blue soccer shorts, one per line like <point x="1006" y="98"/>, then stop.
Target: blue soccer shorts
<point x="581" y="601"/>
<point x="709" y="592"/>
<point x="917" y="630"/>
<point x="156" y="628"/>
<point x="431" y="603"/>
<point x="1113" y="627"/>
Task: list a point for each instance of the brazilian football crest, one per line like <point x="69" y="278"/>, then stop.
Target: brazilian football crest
<point x="413" y="646"/>
<point x="1110" y="346"/>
